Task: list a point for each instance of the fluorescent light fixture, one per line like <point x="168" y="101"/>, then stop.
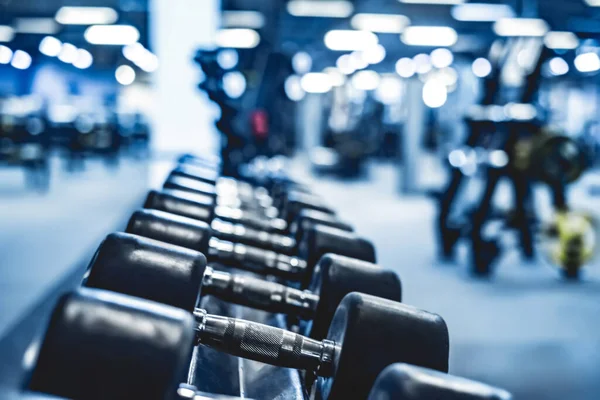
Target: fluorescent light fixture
<point x="561" y="40"/>
<point x="593" y="3"/>
<point x="68" y="53"/>
<point x="435" y="93"/>
<point x="382" y="23"/>
<point x="525" y="27"/>
<point x="227" y="58"/>
<point x="320" y="8"/>
<point x="429" y="36"/>
<point x="374" y="55"/>
<point x="86" y="16"/>
<point x="125" y="75"/>
<point x="5" y="55"/>
<point x="558" y="66"/>
<point x="350" y="40"/>
<point x="481" y="12"/>
<point x="84" y="59"/>
<point x="301" y="62"/>
<point x="117" y="35"/>
<point x="7" y="33"/>
<point x="133" y="52"/>
<point x="42" y="26"/>
<point x="365" y="80"/>
<point x="242" y="19"/>
<point x="336" y="76"/>
<point x="50" y="46"/>
<point x="405" y="67"/>
<point x="293" y="88"/>
<point x="422" y="63"/>
<point x="441" y="58"/>
<point x="21" y="60"/>
<point x="587" y="62"/>
<point x="237" y="38"/>
<point x="447" y="2"/>
<point x="316" y="82"/>
<point x="481" y="67"/>
<point x="344" y="64"/>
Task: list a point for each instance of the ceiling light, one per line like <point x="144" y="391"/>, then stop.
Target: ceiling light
<point x="118" y="35"/>
<point x="84" y="59"/>
<point x="237" y="38"/>
<point x="293" y="88"/>
<point x="525" y="27"/>
<point x="481" y="12"/>
<point x="320" y="8"/>
<point x="7" y="33"/>
<point x="441" y="58"/>
<point x="125" y="75"/>
<point x="21" y="60"/>
<point x="36" y="25"/>
<point x="561" y="40"/>
<point x="374" y="55"/>
<point x="435" y="93"/>
<point x="86" y="16"/>
<point x="227" y="58"/>
<point x="344" y="64"/>
<point x="242" y="19"/>
<point x="5" y="55"/>
<point x="405" y="67"/>
<point x="349" y="40"/>
<point x="68" y="53"/>
<point x="316" y="82"/>
<point x="433" y="1"/>
<point x="365" y="80"/>
<point x="336" y="76"/>
<point x="422" y="63"/>
<point x="301" y="62"/>
<point x="50" y="46"/>
<point x="587" y="62"/>
<point x="357" y="61"/>
<point x="558" y="66"/>
<point x="234" y="84"/>
<point x="383" y="23"/>
<point x="481" y="67"/>
<point x="389" y="90"/>
<point x="429" y="36"/>
<point x="593" y="3"/>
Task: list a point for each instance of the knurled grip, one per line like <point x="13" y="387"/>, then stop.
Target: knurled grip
<point x="260" y="342"/>
<point x="260" y="294"/>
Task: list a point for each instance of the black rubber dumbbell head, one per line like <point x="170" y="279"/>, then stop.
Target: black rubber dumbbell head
<point x="407" y="382"/>
<point x="103" y="345"/>
<point x="181" y="203"/>
<point x="171" y="228"/>
<point x="308" y="218"/>
<point x="148" y="269"/>
<point x="335" y="276"/>
<point x="372" y="333"/>
<point x="319" y="240"/>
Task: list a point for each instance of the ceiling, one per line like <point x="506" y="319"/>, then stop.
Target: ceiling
<point x="290" y="33"/>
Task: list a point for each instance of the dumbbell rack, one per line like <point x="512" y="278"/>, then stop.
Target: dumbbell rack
<point x="215" y="372"/>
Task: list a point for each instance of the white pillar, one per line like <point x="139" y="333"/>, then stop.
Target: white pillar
<point x="183" y="119"/>
<point x="412" y="136"/>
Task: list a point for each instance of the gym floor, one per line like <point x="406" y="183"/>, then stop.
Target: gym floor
<point x="525" y="329"/>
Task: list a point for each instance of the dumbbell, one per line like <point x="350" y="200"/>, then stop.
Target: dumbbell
<point x="287" y="205"/>
<point x="177" y="276"/>
<point x="102" y="344"/>
<point x="408" y="382"/>
<point x="234" y="226"/>
<point x="197" y="235"/>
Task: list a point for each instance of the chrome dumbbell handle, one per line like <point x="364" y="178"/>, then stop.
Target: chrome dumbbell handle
<point x="259" y="293"/>
<point x="264" y="343"/>
<point x="238" y="232"/>
<point x="257" y="260"/>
